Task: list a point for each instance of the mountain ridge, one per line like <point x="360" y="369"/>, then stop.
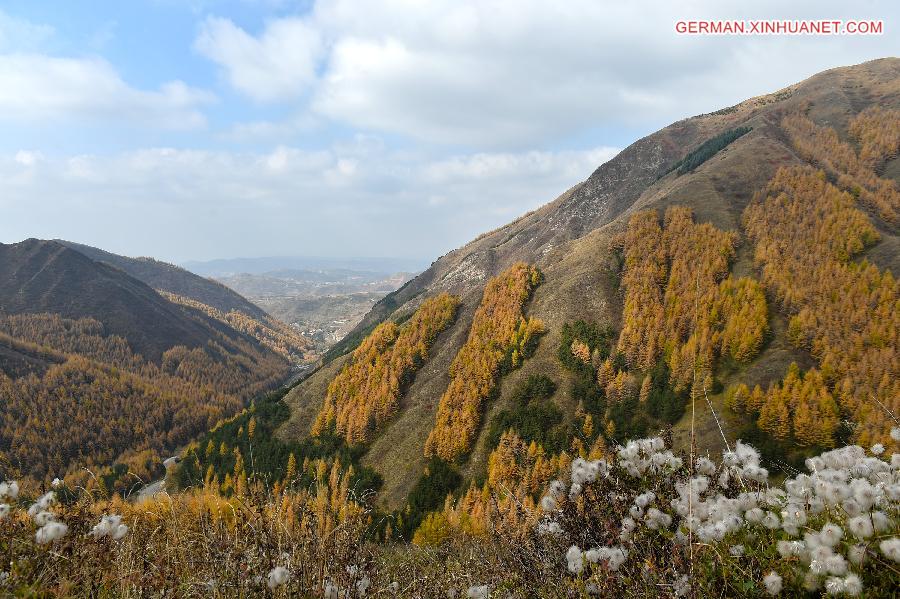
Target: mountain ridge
<point x="172" y="278"/>
<point x="47" y="276"/>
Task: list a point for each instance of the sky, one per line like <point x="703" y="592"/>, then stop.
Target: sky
<point x="201" y="129"/>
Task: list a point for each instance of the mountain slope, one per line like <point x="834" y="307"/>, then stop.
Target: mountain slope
<point x="46" y="276"/>
<point x="171" y="278"/>
<point x="575" y="241"/>
<point x="214" y="299"/>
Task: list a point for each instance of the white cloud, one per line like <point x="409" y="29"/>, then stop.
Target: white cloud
<point x="36" y="87"/>
<point x="515" y="73"/>
<point x="28" y="158"/>
<point x="22" y="34"/>
<point x="354" y="198"/>
<point x="278" y="65"/>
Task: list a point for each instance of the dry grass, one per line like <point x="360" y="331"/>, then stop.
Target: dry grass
<point x="191" y="545"/>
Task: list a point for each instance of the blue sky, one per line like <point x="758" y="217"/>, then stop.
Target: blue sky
<point x="198" y="129"/>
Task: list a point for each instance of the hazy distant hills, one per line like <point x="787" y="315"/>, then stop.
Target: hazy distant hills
<point x="323" y="304"/>
<point x="313" y="283"/>
<point x="323" y="298"/>
<point x="234" y="266"/>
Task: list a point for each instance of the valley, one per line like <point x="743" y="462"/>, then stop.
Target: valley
<point x="323" y="305"/>
<point x="683" y="373"/>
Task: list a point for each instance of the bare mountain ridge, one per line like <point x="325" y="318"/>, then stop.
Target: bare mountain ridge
<point x="569" y="239"/>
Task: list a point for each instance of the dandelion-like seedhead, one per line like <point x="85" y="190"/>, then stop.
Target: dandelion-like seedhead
<point x="891" y="548"/>
<point x="110" y="526"/>
<point x="50" y="532"/>
<point x="773" y="583"/>
<point x="9" y="489"/>
<point x="479" y="592"/>
<point x="42" y="504"/>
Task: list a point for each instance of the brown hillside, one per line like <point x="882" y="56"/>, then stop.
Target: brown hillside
<point x="45" y="276"/>
<point x="174" y="279"/>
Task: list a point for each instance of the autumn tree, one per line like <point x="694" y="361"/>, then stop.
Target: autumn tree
<point x="808" y="234"/>
<point x="500" y="336"/>
<point x="367" y="391"/>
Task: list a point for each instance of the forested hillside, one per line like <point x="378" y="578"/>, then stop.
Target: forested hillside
<point x="98" y="371"/>
<point x="499" y="339"/>
<point x="368" y="390"/>
<point x="711" y="280"/>
<point x="268" y="331"/>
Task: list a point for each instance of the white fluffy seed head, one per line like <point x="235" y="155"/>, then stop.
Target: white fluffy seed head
<point x="861" y="527"/>
<point x="575" y="559"/>
<point x="43" y="502"/>
<point x="852" y="585"/>
<point x="891" y="548"/>
<point x="705" y="466"/>
<point x="110" y="526"/>
<point x="881" y="521"/>
<point x="548" y="503"/>
<point x="834" y="586"/>
<point x="10" y="489"/>
<point x="278" y="576"/>
<point x="836" y="564"/>
<point x="771" y="521"/>
<point x="857" y="554"/>
<point x="831" y="534"/>
<point x="772" y="582"/>
<point x="43" y="518"/>
<point x="50" y="532"/>
<point x="479" y="592"/>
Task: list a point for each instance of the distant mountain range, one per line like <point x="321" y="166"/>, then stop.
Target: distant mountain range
<point x="226" y="267"/>
<point x="323" y="304"/>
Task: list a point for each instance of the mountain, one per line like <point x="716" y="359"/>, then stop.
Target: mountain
<point x="49" y="277"/>
<point x="173" y="279"/>
<point x="209" y="296"/>
<point x="716" y="255"/>
<point x="97" y="366"/>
